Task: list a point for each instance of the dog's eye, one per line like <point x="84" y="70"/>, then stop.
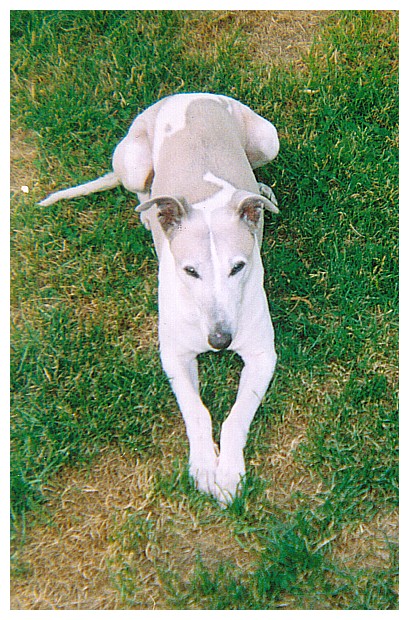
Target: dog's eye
<point x="191" y="271"/>
<point x="237" y="267"/>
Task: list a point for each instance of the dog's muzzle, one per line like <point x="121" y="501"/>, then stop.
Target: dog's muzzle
<point x="220" y="338"/>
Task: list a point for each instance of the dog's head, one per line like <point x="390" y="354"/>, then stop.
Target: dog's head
<point x="216" y="257"/>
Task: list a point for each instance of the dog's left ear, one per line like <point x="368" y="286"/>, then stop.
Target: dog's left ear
<point x="250" y="209"/>
<point x="171" y="211"/>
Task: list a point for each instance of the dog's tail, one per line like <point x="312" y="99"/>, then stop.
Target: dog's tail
<point x="108" y="181"/>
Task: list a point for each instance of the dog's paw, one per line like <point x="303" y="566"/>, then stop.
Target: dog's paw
<point x="202" y="468"/>
<point x="229" y="478"/>
<point x="267" y="192"/>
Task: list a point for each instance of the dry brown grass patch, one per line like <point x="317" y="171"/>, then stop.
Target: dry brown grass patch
<point x="281" y="37"/>
<point x="368" y="544"/>
<point x="273" y="37"/>
<point x="23" y="153"/>
<point x="109" y="524"/>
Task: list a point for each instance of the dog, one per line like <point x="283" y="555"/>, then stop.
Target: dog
<point x="190" y="159"/>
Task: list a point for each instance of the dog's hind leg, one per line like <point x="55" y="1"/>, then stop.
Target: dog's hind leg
<point x="131" y="163"/>
<point x="132" y="167"/>
<point x="261" y="142"/>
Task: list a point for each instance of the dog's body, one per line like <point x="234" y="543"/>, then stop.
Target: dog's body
<point x="190" y="160"/>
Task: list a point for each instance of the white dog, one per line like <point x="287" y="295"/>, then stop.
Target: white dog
<point x="190" y="160"/>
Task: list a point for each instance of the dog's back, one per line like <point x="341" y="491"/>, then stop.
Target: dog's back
<point x="194" y="136"/>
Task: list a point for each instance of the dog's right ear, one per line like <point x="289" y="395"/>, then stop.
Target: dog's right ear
<point x="171" y="211"/>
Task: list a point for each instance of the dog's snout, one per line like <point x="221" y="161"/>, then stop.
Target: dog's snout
<point x="220" y="338"/>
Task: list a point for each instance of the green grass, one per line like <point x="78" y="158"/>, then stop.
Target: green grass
<point x="84" y="373"/>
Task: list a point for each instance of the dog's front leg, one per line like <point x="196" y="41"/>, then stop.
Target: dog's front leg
<point x="254" y="381"/>
<point x="183" y="375"/>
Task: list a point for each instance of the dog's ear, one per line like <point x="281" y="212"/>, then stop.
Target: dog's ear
<point x="250" y="209"/>
<point x="171" y="211"/>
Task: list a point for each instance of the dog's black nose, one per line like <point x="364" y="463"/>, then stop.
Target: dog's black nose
<point x="219" y="339"/>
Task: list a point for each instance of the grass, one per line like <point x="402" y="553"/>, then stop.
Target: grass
<point x="87" y="384"/>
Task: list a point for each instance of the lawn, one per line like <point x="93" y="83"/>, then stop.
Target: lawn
<point x="104" y="515"/>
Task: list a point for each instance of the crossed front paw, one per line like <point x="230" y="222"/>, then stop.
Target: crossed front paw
<point x="229" y="479"/>
<point x="218" y="476"/>
<point x="202" y="469"/>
